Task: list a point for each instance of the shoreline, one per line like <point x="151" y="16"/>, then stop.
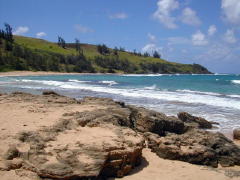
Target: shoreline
<point x="46" y="73"/>
<point x="38" y="73"/>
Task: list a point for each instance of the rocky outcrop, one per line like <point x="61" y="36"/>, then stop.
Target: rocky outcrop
<point x="50" y="93"/>
<point x="70" y="150"/>
<point x="137" y="118"/>
<point x="108" y="141"/>
<point x="197" y="147"/>
<point x="194" y="121"/>
<point x="236" y="133"/>
<point x="145" y="120"/>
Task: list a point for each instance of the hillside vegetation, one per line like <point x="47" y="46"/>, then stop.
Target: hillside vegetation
<point x="24" y="53"/>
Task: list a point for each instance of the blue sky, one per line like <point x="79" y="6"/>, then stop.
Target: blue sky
<point x="186" y="31"/>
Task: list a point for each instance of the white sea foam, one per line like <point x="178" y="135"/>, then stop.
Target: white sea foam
<point x="186" y="97"/>
<point x="50" y="83"/>
<point x="110" y="83"/>
<point x="75" y="80"/>
<point x="234" y="96"/>
<point x="198" y="92"/>
<point x="236" y="81"/>
<point x="151" y="87"/>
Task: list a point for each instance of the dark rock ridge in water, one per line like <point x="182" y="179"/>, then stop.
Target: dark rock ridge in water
<point x="108" y="142"/>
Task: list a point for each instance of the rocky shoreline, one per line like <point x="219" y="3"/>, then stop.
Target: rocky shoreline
<point x="97" y="138"/>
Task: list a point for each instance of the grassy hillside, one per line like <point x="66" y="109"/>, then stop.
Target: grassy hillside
<point x="37" y="54"/>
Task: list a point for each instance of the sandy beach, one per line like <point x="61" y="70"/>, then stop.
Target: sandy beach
<point x="30" y="113"/>
<point x="32" y="73"/>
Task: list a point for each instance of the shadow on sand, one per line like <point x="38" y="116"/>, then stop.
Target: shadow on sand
<point x="144" y="163"/>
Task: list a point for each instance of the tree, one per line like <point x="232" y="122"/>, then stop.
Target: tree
<point x="77" y="46"/>
<point x="2" y="34"/>
<point x="146" y="54"/>
<point x="115" y="51"/>
<point x="8" y="33"/>
<point x="61" y="42"/>
<point x="103" y="49"/>
<point x="122" y="49"/>
<point x="156" y="55"/>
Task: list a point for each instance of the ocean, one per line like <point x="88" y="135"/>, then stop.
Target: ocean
<point x="215" y="97"/>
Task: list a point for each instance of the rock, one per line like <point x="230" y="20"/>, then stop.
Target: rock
<point x="151" y="121"/>
<point x="108" y="141"/>
<point x="137" y="118"/>
<point x="14" y="164"/>
<point x="195" y="121"/>
<point x="55" y="170"/>
<point x="197" y="147"/>
<point x="11" y="153"/>
<point x="50" y="93"/>
<point x="236" y="133"/>
<point x="68" y="150"/>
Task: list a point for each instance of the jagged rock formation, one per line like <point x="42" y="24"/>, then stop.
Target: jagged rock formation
<point x="194" y="121"/>
<point x="108" y="142"/>
<point x="197" y="147"/>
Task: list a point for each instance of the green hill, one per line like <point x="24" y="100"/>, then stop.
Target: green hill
<point x="36" y="54"/>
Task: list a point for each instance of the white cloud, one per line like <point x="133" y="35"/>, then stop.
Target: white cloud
<point x="199" y="39"/>
<point x="231" y="10"/>
<point x="229" y="36"/>
<point x="40" y="34"/>
<point x="163" y="13"/>
<point x="150" y="48"/>
<point x="212" y="30"/>
<point x="21" y="30"/>
<point x="82" y="29"/>
<point x="118" y="16"/>
<point x="190" y="17"/>
<point x="151" y="37"/>
<point x="218" y="52"/>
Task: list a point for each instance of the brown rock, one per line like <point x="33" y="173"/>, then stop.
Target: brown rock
<point x="197" y="147"/>
<point x="150" y="121"/>
<point x="11" y="153"/>
<point x="74" y="151"/>
<point x="236" y="133"/>
<point x="50" y="93"/>
<point x="195" y="121"/>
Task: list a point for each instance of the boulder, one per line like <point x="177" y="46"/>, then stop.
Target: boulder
<point x="236" y="133"/>
<point x="195" y="121"/>
<point x="137" y="118"/>
<point x="197" y="147"/>
<point x="145" y="120"/>
<point x="50" y="93"/>
<point x="69" y="150"/>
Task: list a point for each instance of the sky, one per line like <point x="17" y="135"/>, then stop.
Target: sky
<point x="206" y="32"/>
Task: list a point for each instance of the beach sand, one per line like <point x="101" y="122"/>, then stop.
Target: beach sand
<point x="32" y="73"/>
<point x="18" y="115"/>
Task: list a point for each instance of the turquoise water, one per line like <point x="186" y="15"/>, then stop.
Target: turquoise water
<point x="215" y="97"/>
